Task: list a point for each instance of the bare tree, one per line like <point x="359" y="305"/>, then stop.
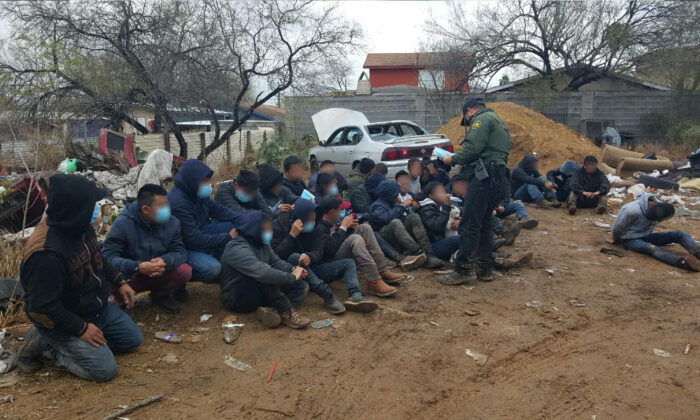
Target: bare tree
<point x="587" y="39"/>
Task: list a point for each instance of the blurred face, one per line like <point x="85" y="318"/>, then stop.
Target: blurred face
<point x="590" y="167"/>
<point x="327" y="169"/>
<point x="149" y="212"/>
<point x="332" y="187"/>
<point x="426" y="175"/>
<point x="295" y="172"/>
<point x="333" y="215"/>
<point x="438" y="195"/>
<point x="432" y="168"/>
<point x="416" y="169"/>
<point x="404" y="183"/>
<point x="250" y="192"/>
<point x="276" y="189"/>
<point x="266" y="226"/>
<point x="459" y="188"/>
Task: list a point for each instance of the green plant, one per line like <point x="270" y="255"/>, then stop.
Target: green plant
<point x="141" y="155"/>
<point x="691" y="135"/>
<point x="273" y="151"/>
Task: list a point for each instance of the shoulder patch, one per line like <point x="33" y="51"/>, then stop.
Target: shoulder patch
<point x="476" y="124"/>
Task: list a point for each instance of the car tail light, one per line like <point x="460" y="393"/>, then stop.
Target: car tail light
<point x="447" y="146"/>
<point x="390" y="153"/>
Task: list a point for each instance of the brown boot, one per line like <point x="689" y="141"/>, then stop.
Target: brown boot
<point x="691" y="263"/>
<point x="381" y="289"/>
<point x="268" y="317"/>
<point x="292" y="319"/>
<point x="601" y="209"/>
<point x="390" y="277"/>
<point x="544" y="204"/>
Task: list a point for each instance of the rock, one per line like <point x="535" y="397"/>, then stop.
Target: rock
<point x="169" y="358"/>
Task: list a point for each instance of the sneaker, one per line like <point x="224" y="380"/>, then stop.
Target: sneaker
<point x="29" y="355"/>
<point x="167" y="303"/>
<point x="529" y="223"/>
<point x="690" y="263"/>
<point x="268" y="317"/>
<point x="601" y="209"/>
<point x="433" y="262"/>
<point x="334" y="306"/>
<point x="462" y="274"/>
<point x="544" y="204"/>
<point x="411" y="262"/>
<point x="484" y="270"/>
<point x="181" y="294"/>
<point x="572" y="210"/>
<point x="381" y="289"/>
<point x="358" y="303"/>
<point x="292" y="319"/>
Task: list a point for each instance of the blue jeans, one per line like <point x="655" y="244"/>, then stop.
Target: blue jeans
<point x="94" y="363"/>
<point x="205" y="264"/>
<point x="650" y="245"/>
<point x="530" y="193"/>
<point x="516" y="207"/>
<point x="445" y="247"/>
<point x="333" y="270"/>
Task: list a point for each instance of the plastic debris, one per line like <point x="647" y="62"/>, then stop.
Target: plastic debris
<point x="533" y="304"/>
<point x="272" y="371"/>
<point x="629" y="270"/>
<point x="322" y="323"/>
<point x="169" y="337"/>
<point x="661" y="353"/>
<point x="232" y="332"/>
<point x="204" y="318"/>
<point x="478" y="357"/>
<point x="7" y="399"/>
<point x="237" y="364"/>
<point x="549" y="271"/>
<point x="601" y="224"/>
<point x="435" y="324"/>
<point x="673" y="273"/>
<point x="544" y="232"/>
<point x="615" y="200"/>
<point x="687" y="349"/>
<point x="584" y="250"/>
<point x="68" y="166"/>
<point x="577" y="303"/>
<point x="169" y="358"/>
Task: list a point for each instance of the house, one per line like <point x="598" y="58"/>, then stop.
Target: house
<point x="603" y="83"/>
<point x="431" y="70"/>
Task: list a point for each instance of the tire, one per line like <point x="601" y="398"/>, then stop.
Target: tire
<point x="313" y="164"/>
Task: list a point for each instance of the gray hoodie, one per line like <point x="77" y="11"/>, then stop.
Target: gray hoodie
<point x="631" y="222"/>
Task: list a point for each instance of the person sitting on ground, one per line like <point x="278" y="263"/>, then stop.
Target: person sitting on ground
<point x="357" y="191"/>
<point x="372" y="184"/>
<point x="358" y="242"/>
<point x="404" y="180"/>
<point x="144" y="244"/>
<point x="415" y="171"/>
<point x="560" y="176"/>
<point x="297" y="241"/>
<point x="380" y="168"/>
<point x="326" y="185"/>
<point x="206" y="225"/>
<point x="293" y="175"/>
<point x="434" y="211"/>
<point x="67" y="285"/>
<point x="276" y="196"/>
<point x="254" y="278"/>
<point x="328" y="166"/>
<point x="241" y="195"/>
<point x="589" y="187"/>
<point x="633" y="229"/>
<point x="528" y="186"/>
<point x="437" y="174"/>
<point x="391" y="219"/>
<point x="507" y="206"/>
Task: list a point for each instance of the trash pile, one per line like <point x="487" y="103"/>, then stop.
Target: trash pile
<point x="531" y="132"/>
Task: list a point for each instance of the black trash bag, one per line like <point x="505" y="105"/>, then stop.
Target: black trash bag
<point x="663" y="184"/>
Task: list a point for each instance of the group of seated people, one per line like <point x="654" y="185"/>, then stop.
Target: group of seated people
<point x="267" y="239"/>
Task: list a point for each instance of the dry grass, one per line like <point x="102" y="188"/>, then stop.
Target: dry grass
<point x="10" y="257"/>
<point x="671" y="150"/>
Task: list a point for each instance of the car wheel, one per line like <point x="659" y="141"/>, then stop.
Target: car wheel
<point x="313" y="164"/>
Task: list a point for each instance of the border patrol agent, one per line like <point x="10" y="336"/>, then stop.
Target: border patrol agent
<point x="484" y="159"/>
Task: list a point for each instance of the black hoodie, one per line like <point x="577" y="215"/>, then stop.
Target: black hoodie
<point x="269" y="177"/>
<point x="65" y="279"/>
<point x="525" y="173"/>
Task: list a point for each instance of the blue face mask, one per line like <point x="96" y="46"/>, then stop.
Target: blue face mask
<point x="162" y="215"/>
<point x="95" y="213"/>
<point x="243" y="197"/>
<point x="333" y="190"/>
<point x="267" y="237"/>
<point x="309" y="227"/>
<point x="204" y="190"/>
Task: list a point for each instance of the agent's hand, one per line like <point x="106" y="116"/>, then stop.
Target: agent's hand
<point x="304" y="259"/>
<point x="127" y="295"/>
<point x="501" y="209"/>
<point x="297" y="228"/>
<point x="233" y="233"/>
<point x="93" y="336"/>
<point x="447" y="160"/>
<point x="299" y="273"/>
<point x="348" y="222"/>
<point x="285" y="208"/>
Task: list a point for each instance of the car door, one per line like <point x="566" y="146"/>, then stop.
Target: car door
<point x="328" y="151"/>
<point x="348" y="152"/>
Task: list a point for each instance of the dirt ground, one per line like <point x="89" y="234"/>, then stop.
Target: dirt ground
<point x="552" y="361"/>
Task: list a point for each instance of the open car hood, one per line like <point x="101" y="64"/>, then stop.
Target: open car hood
<point x="331" y="119"/>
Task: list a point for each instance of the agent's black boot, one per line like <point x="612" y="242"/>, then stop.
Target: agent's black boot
<point x="484" y="270"/>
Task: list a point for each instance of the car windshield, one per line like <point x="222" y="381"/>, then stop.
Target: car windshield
<point x="391" y="130"/>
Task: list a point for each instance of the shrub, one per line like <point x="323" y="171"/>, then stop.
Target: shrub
<point x="272" y="151"/>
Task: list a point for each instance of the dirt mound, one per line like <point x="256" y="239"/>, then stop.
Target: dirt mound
<point x="530" y="132"/>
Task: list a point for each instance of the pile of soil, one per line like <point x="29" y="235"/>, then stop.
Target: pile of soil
<point x="531" y="132"/>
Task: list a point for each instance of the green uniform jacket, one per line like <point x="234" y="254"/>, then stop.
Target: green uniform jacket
<point x="487" y="138"/>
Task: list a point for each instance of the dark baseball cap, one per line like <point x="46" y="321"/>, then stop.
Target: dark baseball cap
<point x="332" y="202"/>
<point x="470" y="104"/>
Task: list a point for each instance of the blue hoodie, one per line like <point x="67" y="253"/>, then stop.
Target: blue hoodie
<point x="385" y="209"/>
<point x="132" y="240"/>
<point x="631" y="222"/>
<point x="372" y="184"/>
<point x="195" y="213"/>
